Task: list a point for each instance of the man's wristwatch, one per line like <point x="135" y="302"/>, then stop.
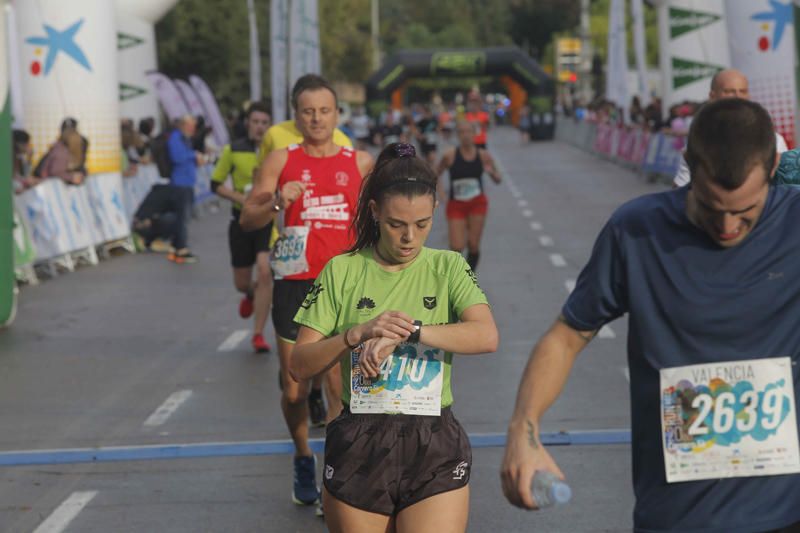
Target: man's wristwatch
<point x="414" y="337"/>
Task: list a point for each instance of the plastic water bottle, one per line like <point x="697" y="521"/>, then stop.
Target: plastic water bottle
<point x="549" y="490"/>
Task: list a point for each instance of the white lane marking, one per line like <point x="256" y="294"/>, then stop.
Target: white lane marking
<point x="536" y="226"/>
<point x="167" y="408"/>
<point x="546" y="240"/>
<point x="527" y="213"/>
<point x="570" y="285"/>
<point x="522" y="203"/>
<point x="506" y="178"/>
<point x="233" y="340"/>
<point x="558" y="260"/>
<point x="66" y="512"/>
<point x="626" y="373"/>
<point x="607" y="333"/>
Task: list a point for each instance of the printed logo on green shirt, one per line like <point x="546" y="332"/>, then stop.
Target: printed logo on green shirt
<point x="365" y="303"/>
<point x="429" y="302"/>
<point x="312" y="295"/>
<point x="473" y="277"/>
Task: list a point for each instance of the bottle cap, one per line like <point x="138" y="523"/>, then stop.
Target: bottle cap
<point x="561" y="492"/>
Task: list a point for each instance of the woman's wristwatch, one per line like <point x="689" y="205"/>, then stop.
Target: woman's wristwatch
<point x="414" y="337"/>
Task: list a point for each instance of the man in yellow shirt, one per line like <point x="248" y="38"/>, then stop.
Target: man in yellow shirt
<point x="278" y="137"/>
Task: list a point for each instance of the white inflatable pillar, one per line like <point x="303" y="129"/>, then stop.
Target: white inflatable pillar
<point x="68" y="56"/>
<point x="136" y="55"/>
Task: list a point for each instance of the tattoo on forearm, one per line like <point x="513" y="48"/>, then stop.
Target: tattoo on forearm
<point x="586" y="336"/>
<point x="532" y="439"/>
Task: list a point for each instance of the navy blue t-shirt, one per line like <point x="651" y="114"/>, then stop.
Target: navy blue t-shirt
<point x="691" y="301"/>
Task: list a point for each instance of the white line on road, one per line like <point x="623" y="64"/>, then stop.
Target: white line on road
<point x="167" y="408"/>
<point x="523" y="203"/>
<point x="233" y="340"/>
<point x="626" y="373"/>
<point x="536" y="226"/>
<point x="607" y="333"/>
<point x="66" y="512"/>
<point x="546" y="240"/>
<point x="515" y="193"/>
<point x="570" y="285"/>
<point x="527" y="213"/>
<point x="558" y="260"/>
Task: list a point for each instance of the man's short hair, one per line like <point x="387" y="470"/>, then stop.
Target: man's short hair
<point x="311" y="82"/>
<point x="70" y="123"/>
<point x="256" y="107"/>
<point x="727" y="138"/>
<point x="21" y="137"/>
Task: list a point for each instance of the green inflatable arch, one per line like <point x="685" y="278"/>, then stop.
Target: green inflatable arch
<point x="524" y="79"/>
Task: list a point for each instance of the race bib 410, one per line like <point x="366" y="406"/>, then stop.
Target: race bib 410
<point x="410" y="382"/>
<point x="732" y="419"/>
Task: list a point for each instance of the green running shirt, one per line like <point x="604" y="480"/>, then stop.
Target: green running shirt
<point x="239" y="160"/>
<point x="352" y="289"/>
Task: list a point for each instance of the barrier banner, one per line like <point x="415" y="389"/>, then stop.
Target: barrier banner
<point x="625" y="146"/>
<point x="602" y="140"/>
<point x="75" y="210"/>
<point x="105" y="198"/>
<point x="640" y="147"/>
<point x="24" y="251"/>
<point x="39" y="209"/>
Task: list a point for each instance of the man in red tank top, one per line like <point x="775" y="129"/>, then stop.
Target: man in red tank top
<point x="318" y="183"/>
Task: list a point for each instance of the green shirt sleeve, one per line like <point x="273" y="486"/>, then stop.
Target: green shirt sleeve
<point x="224" y="165"/>
<point x="321" y="308"/>
<point x="464" y="289"/>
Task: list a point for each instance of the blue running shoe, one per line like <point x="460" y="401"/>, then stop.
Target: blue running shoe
<point x="305" y="491"/>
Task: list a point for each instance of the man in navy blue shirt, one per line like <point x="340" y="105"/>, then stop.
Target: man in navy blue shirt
<point x="709" y="275"/>
<point x="184" y="175"/>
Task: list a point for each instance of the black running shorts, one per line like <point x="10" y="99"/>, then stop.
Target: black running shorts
<point x="287" y="296"/>
<point x="385" y="463"/>
<point x="246" y="245"/>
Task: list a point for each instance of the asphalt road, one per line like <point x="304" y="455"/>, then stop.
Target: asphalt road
<point x="128" y="354"/>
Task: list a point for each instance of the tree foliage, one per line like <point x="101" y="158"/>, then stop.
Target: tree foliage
<point x="210" y="38"/>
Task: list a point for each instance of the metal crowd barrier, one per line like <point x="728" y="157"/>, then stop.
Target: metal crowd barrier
<point x="654" y="154"/>
<point x="57" y="226"/>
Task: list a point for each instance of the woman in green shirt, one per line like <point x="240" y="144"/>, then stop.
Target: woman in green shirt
<point x="393" y="312"/>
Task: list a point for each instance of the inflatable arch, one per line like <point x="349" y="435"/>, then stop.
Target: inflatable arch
<point x="521" y="74"/>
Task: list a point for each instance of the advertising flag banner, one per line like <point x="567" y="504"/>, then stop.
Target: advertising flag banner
<point x="278" y="22"/>
<point x="191" y="99"/>
<point x="617" y="68"/>
<point x="212" y="112"/>
<point x="304" y="57"/>
<point x="691" y="34"/>
<point x="168" y="95"/>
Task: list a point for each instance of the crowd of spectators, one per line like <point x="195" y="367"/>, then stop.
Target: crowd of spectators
<point x="649" y="117"/>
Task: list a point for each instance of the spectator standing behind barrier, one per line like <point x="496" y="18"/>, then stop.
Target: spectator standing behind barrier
<point x="728" y="83"/>
<point x="64" y="158"/>
<point x="184" y="175"/>
<point x="129" y="155"/>
<point x="22" y="150"/>
<point x="70" y="124"/>
<point x="146" y="128"/>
